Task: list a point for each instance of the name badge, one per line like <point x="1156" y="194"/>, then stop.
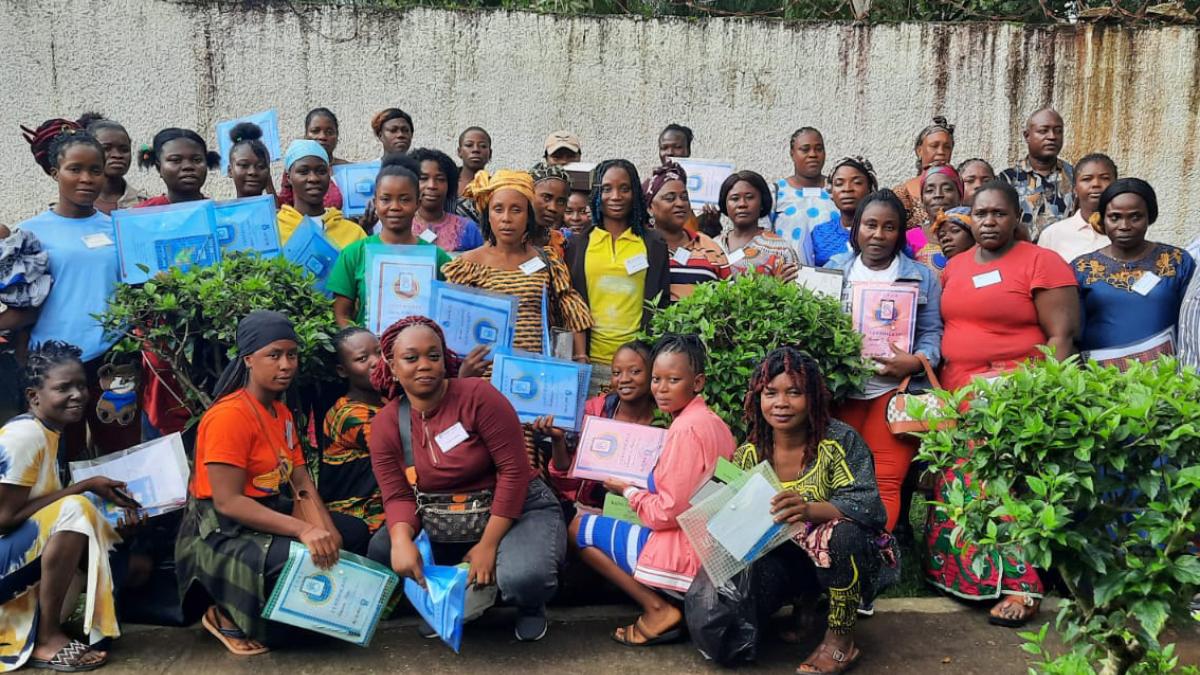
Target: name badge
<point x="682" y="256"/>
<point x="1146" y="283"/>
<point x="289" y="434"/>
<point x="533" y="265"/>
<point x="428" y="236"/>
<point x="97" y="240"/>
<point x="811" y="192"/>
<point x="737" y="256"/>
<point x="636" y="264"/>
<point x="448" y="439"/>
<point x="986" y="279"/>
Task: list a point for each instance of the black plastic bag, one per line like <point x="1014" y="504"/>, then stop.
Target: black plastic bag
<point x="723" y="620"/>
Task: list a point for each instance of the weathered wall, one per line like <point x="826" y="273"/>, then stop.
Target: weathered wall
<point x="743" y="86"/>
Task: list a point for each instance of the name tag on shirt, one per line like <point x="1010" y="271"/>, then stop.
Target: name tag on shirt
<point x="450" y="438"/>
<point x="810" y="192"/>
<point x="428" y="236"/>
<point x="737" y="256"/>
<point x="682" y="255"/>
<point x="97" y="240"/>
<point x="636" y="264"/>
<point x="986" y="279"/>
<point x="289" y="434"/>
<point x="1146" y="283"/>
<point x="533" y="265"/>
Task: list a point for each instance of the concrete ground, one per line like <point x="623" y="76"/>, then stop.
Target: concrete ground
<point x="921" y="635"/>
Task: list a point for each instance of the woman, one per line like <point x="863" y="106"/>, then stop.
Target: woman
<point x="877" y="237"/>
<point x="439" y="178"/>
<point x="1075" y="236"/>
<point x="1132" y="289"/>
<point x="695" y="257"/>
<point x="802" y="200"/>
<point x="675" y="141"/>
<point x="829" y="486"/>
<point x="49" y="533"/>
<point x="974" y="173"/>
<point x="745" y="199"/>
<point x="320" y="125"/>
<point x="465" y="437"/>
<point x="642" y="560"/>
<point x="934" y="147"/>
<point x="1001" y="302"/>
<point x="475" y="151"/>
<point x="118" y="158"/>
<point x="552" y="189"/>
<point x="618" y="265"/>
<point x="249" y="161"/>
<point x="238" y="525"/>
<point x="953" y="231"/>
<point x="79" y="241"/>
<point x="307" y="165"/>
<point x="853" y="178"/>
<point x="578" y="215"/>
<point x="941" y="189"/>
<point x="394" y="129"/>
<point x="182" y="160"/>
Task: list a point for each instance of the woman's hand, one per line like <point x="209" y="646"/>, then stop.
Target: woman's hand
<point x="617" y="487"/>
<point x="368" y="218"/>
<point x="709" y="218"/>
<point x="545" y="426"/>
<point x="482" y="558"/>
<point x="406" y="560"/>
<point x="321" y="545"/>
<point x="130" y="521"/>
<point x="110" y="490"/>
<point x="475" y="363"/>
<point x="789" y="507"/>
<point x="787" y="272"/>
<point x="899" y="365"/>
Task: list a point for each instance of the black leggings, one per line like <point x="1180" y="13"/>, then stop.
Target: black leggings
<point x="355" y="536"/>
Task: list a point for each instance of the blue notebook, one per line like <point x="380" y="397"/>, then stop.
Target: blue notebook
<point x="157" y="238"/>
<point x="471" y="317"/>
<point x="357" y="183"/>
<point x="248" y="224"/>
<point x="538" y="385"/>
<point x="309" y="248"/>
<point x="268" y="121"/>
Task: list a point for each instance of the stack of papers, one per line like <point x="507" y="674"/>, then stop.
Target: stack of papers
<point x="155" y="474"/>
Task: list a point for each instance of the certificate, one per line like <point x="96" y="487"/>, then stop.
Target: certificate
<point x="344" y="601"/>
<point x="821" y="281"/>
<point x="471" y="317"/>
<point x="884" y="313"/>
<point x="157" y="238"/>
<point x="248" y="224"/>
<point x="268" y="121"/>
<point x="1147" y="350"/>
<point x="155" y="474"/>
<point x="399" y="283"/>
<point x="704" y="178"/>
<point x="309" y="248"/>
<point x="621" y="450"/>
<point x="538" y="386"/>
<point x="357" y="183"/>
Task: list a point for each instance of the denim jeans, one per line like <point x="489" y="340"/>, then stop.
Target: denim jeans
<point x="529" y="556"/>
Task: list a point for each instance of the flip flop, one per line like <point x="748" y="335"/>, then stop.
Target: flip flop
<point x="666" y="637"/>
<point x="228" y="635"/>
<point x="68" y="659"/>
<point x="1003" y="622"/>
<point x="846" y="660"/>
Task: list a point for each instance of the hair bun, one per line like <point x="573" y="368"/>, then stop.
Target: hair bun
<point x="245" y="131"/>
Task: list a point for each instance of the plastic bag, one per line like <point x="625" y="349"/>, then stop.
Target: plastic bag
<point x="442" y="603"/>
<point x="723" y="620"/>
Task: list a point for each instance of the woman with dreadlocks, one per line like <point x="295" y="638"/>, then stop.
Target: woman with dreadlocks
<point x="828" y="482"/>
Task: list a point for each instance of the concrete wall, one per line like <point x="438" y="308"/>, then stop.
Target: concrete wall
<point x="743" y="86"/>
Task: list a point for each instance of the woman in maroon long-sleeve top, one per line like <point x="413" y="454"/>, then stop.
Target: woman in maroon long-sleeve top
<point x="466" y="437"/>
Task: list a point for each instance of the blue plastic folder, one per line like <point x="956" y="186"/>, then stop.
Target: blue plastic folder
<point x="471" y="317"/>
<point x="538" y="385"/>
<point x="357" y="183"/>
<point x="157" y="238"/>
<point x="248" y="224"/>
<point x="399" y="283"/>
<point x="309" y="248"/>
<point x="443" y="601"/>
<point x="267" y="120"/>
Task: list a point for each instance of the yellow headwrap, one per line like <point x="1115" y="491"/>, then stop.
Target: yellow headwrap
<point x="484" y="186"/>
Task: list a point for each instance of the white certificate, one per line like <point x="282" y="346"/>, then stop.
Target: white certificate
<point x="155" y="474"/>
<point x="704" y="178"/>
<point x="399" y="283"/>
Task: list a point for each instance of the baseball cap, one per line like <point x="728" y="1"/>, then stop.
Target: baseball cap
<point x="562" y="139"/>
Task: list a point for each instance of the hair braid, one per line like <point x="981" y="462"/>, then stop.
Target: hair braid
<point x="381" y="377"/>
<point x="805" y="374"/>
<point x="639" y="215"/>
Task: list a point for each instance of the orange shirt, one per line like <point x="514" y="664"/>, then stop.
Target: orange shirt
<point x="239" y="431"/>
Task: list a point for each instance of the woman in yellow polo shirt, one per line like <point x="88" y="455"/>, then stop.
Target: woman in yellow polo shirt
<point x="618" y="264"/>
<point x="307" y="165"/>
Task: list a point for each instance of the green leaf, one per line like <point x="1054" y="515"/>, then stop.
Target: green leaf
<point x="1186" y="569"/>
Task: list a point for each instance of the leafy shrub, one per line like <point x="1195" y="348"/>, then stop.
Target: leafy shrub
<point x="1095" y="474"/>
<point x="743" y="320"/>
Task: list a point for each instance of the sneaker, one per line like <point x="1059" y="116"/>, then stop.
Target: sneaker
<point x="866" y="608"/>
<point x="425" y="630"/>
<point x="531" y="625"/>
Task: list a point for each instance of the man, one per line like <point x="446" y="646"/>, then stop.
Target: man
<point x="1044" y="182"/>
<point x="562" y="147"/>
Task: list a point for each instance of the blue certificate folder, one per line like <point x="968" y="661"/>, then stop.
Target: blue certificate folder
<point x="267" y="120"/>
<point x="344" y="601"/>
<point x="309" y="248"/>
<point x="248" y="224"/>
<point x="443" y="601"/>
<point x="157" y="238"/>
<point x="538" y="385"/>
<point x="357" y="183"/>
<point x="471" y="317"/>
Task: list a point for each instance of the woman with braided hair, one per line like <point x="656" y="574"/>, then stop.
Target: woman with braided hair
<point x="934" y="147"/>
<point x="463" y="437"/>
<point x="829" y="486"/>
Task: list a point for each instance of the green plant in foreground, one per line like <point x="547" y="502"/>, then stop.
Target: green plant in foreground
<point x="741" y="321"/>
<point x="1093" y="473"/>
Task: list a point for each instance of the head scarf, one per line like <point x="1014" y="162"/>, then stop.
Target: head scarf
<point x="661" y="176"/>
<point x="948" y="171"/>
<point x="543" y="171"/>
<point x="1122" y="186"/>
<point x="39" y="138"/>
<point x="387" y="115"/>
<point x="301" y="148"/>
<point x="958" y="214"/>
<point x="382" y="379"/>
<point x="255" y="331"/>
<point x="485" y="185"/>
<point x="861" y="164"/>
<point x="939" y="124"/>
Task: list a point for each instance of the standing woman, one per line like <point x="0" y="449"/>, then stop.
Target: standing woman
<point x="394" y="129"/>
<point x="802" y="200"/>
<point x="238" y="526"/>
<point x="974" y="173"/>
<point x="675" y="141"/>
<point x="1131" y="289"/>
<point x="435" y="210"/>
<point x="249" y="161"/>
<point x="475" y="151"/>
<point x="746" y="199"/>
<point x="320" y="125"/>
<point x="695" y="257"/>
<point x="934" y="147"/>
<point x="307" y="165"/>
<point x="118" y="157"/>
<point x="183" y="160"/>
<point x="853" y="178"/>
<point x="465" y="437"/>
<point x="552" y="190"/>
<point x="618" y="265"/>
<point x="941" y="189"/>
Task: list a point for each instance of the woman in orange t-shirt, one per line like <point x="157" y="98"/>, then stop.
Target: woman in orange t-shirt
<point x="239" y="525"/>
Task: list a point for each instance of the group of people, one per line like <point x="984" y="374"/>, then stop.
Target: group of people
<point x="1045" y="257"/>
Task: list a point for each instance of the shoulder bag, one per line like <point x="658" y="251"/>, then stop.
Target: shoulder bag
<point x="899" y="416"/>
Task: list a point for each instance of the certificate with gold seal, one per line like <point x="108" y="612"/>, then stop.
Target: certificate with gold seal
<point x="399" y="283"/>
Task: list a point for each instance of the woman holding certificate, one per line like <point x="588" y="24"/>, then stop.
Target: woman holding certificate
<point x="306" y="164"/>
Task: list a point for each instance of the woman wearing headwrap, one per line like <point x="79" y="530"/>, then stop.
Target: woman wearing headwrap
<point x="934" y="147"/>
<point x="552" y="190"/>
<point x="852" y="179"/>
<point x="394" y="129"/>
<point x="1130" y="291"/>
<point x="941" y="189"/>
<point x="238" y="527"/>
<point x="306" y="163"/>
<point x="465" y="438"/>
<point x="694" y="257"/>
<point x="952" y="229"/>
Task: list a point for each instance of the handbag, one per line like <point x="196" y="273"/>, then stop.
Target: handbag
<point x="304" y="507"/>
<point x="447" y="517"/>
<point x="899" y="416"/>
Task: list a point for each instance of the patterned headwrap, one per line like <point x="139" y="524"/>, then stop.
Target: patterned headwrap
<point x="39" y="138"/>
<point x="381" y="377"/>
<point x="958" y="214"/>
<point x="939" y="124"/>
<point x="485" y="185"/>
<point x="946" y="170"/>
<point x="661" y="176"/>
<point x="861" y="164"/>
<point x="543" y="171"/>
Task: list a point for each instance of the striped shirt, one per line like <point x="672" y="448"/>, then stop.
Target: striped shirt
<point x="1189" y="325"/>
<point x="705" y="262"/>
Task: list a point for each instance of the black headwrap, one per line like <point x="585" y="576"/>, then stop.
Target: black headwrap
<point x="255" y="331"/>
<point x="1122" y="186"/>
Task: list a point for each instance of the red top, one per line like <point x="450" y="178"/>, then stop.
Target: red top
<point x="492" y="456"/>
<point x="991" y="323"/>
<point x="161" y="200"/>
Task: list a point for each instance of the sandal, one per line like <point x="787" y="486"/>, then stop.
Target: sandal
<point x="212" y="623"/>
<point x="672" y="634"/>
<point x="844" y="660"/>
<point x="69" y="659"/>
<point x="1029" y="604"/>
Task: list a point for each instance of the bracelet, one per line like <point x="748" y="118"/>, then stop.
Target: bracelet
<point x="630" y="491"/>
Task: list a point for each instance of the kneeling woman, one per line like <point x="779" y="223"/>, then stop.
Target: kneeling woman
<point x="238" y="527"/>
<point x="464" y="438"/>
<point x="829" y="485"/>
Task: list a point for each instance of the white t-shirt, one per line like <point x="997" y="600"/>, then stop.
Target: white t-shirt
<point x="878" y="384"/>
